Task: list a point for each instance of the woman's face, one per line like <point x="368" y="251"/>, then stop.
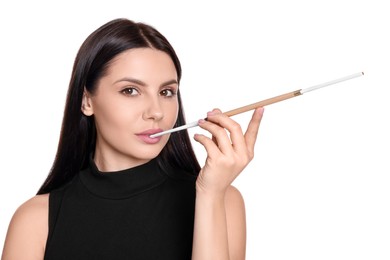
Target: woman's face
<point x="136" y="98"/>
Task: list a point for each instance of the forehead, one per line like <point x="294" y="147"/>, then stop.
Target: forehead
<point x="143" y="63"/>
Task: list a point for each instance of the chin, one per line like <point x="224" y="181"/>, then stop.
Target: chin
<point x="147" y="154"/>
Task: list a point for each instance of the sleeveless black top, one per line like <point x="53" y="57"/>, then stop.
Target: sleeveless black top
<point x="138" y="213"/>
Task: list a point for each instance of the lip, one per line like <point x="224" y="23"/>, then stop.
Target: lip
<point x="145" y="136"/>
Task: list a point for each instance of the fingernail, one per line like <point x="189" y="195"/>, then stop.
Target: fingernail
<point x="211" y="113"/>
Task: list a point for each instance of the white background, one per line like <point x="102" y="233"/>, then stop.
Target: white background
<point x="319" y="186"/>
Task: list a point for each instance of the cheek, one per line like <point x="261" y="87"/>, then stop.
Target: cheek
<point x="114" y="117"/>
<point x="173" y="112"/>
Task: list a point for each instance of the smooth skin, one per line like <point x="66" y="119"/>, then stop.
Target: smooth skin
<point x="138" y="94"/>
<point x="220" y="226"/>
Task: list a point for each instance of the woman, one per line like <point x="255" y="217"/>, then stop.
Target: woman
<point x="113" y="191"/>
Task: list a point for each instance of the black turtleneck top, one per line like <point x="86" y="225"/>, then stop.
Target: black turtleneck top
<point x="137" y="213"/>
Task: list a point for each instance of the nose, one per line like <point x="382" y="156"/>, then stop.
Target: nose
<point x="153" y="110"/>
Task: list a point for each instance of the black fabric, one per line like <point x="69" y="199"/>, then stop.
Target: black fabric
<point x="138" y="213"/>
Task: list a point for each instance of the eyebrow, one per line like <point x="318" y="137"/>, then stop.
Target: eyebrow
<point x="139" y="82"/>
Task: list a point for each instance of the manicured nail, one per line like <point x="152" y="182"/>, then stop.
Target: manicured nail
<point x="211" y="113"/>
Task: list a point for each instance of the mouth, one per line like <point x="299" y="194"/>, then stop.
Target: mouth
<point x="151" y="132"/>
<point x="145" y="136"/>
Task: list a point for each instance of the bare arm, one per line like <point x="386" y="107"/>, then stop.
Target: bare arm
<point x="27" y="231"/>
<point x="219" y="228"/>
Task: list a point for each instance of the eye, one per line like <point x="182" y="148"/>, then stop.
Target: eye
<point x="130" y="91"/>
<point x="168" y="93"/>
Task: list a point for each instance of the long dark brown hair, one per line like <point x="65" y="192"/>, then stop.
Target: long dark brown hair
<point x="78" y="132"/>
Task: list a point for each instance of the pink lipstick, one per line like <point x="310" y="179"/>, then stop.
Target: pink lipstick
<point x="145" y="136"/>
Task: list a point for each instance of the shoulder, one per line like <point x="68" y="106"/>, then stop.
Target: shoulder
<point x="235" y="207"/>
<point x="234" y="199"/>
<point x="32" y="211"/>
<point x="236" y="222"/>
<point x="28" y="229"/>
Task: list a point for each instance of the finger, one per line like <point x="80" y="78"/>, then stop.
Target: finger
<point x="235" y="131"/>
<point x="219" y="135"/>
<point x="253" y="129"/>
<point x="211" y="148"/>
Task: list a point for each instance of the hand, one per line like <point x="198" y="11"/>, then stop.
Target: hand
<point x="228" y="151"/>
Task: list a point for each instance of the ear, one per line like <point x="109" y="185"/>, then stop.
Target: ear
<point x="86" y="104"/>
